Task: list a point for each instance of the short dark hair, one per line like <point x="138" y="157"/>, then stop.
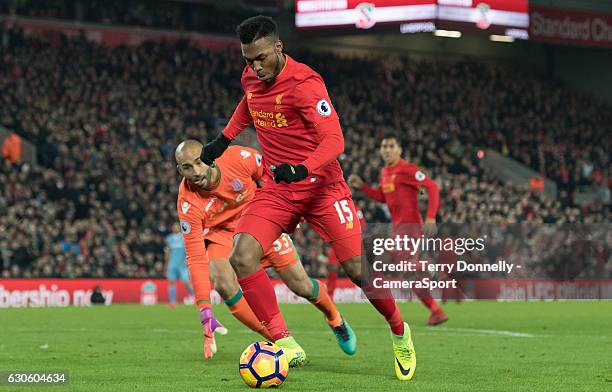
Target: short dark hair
<point x="391" y="135"/>
<point x="256" y="27"/>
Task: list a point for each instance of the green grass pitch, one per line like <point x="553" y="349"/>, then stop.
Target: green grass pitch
<point x="486" y="346"/>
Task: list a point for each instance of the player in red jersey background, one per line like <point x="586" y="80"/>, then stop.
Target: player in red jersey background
<point x="399" y="187"/>
<point x="299" y="133"/>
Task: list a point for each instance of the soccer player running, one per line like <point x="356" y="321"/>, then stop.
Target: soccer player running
<point x="176" y="269"/>
<point x="210" y="202"/>
<point x="300" y="136"/>
<point x="400" y="182"/>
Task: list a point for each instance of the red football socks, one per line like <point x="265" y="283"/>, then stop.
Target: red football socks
<point x="243" y="312"/>
<point x="259" y="293"/>
<point x="427" y="300"/>
<point x="383" y="301"/>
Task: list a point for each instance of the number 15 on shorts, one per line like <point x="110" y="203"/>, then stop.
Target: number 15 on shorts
<point x="344" y="213"/>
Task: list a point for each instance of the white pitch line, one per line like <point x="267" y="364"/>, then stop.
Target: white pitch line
<point x="363" y="329"/>
<point x="371" y="330"/>
<point x="486" y="332"/>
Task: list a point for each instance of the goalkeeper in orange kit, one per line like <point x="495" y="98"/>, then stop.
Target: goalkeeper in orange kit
<point x="210" y="202"/>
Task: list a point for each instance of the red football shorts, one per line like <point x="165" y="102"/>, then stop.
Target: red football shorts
<point x="279" y="256"/>
<point x="329" y="210"/>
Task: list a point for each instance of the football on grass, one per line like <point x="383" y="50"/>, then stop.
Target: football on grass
<point x="263" y="365"/>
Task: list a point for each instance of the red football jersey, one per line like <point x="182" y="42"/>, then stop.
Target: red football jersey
<point x="201" y="212"/>
<point x="399" y="189"/>
<point x="295" y="122"/>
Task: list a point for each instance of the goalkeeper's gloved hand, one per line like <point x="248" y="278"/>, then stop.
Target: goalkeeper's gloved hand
<point x="288" y="173"/>
<point x="214" y="149"/>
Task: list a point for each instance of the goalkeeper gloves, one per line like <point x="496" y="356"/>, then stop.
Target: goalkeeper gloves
<point x="214" y="149"/>
<point x="288" y="173"/>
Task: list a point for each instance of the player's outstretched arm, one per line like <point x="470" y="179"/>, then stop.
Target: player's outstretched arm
<point x="239" y="121"/>
<point x="316" y="110"/>
<point x="214" y="149"/>
<point x="355" y="181"/>
<point x="416" y="178"/>
<point x="373" y="193"/>
<point x="190" y="218"/>
<point x="433" y="201"/>
<point x="433" y="196"/>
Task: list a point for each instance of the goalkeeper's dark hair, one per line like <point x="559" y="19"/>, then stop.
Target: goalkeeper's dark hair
<point x="257" y="27"/>
<point x="391" y="135"/>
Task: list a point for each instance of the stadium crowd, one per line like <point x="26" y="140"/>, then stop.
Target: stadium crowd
<point x="106" y="120"/>
<point x="212" y="17"/>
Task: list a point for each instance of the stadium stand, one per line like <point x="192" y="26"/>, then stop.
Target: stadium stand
<point x="106" y="120"/>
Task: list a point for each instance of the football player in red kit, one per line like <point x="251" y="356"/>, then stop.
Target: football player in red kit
<point x="400" y="182"/>
<point x="300" y="137"/>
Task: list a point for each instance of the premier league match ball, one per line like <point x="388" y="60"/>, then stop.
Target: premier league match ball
<point x="263" y="365"/>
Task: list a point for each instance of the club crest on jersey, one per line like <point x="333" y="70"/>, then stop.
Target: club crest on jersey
<point x="419" y="175"/>
<point x="278" y="102"/>
<point x="185" y="227"/>
<point x="237" y="185"/>
<point x="324" y="108"/>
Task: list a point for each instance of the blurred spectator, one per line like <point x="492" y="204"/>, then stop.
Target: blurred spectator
<point x="11" y="148"/>
<point x="96" y="296"/>
<point x="177" y="15"/>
